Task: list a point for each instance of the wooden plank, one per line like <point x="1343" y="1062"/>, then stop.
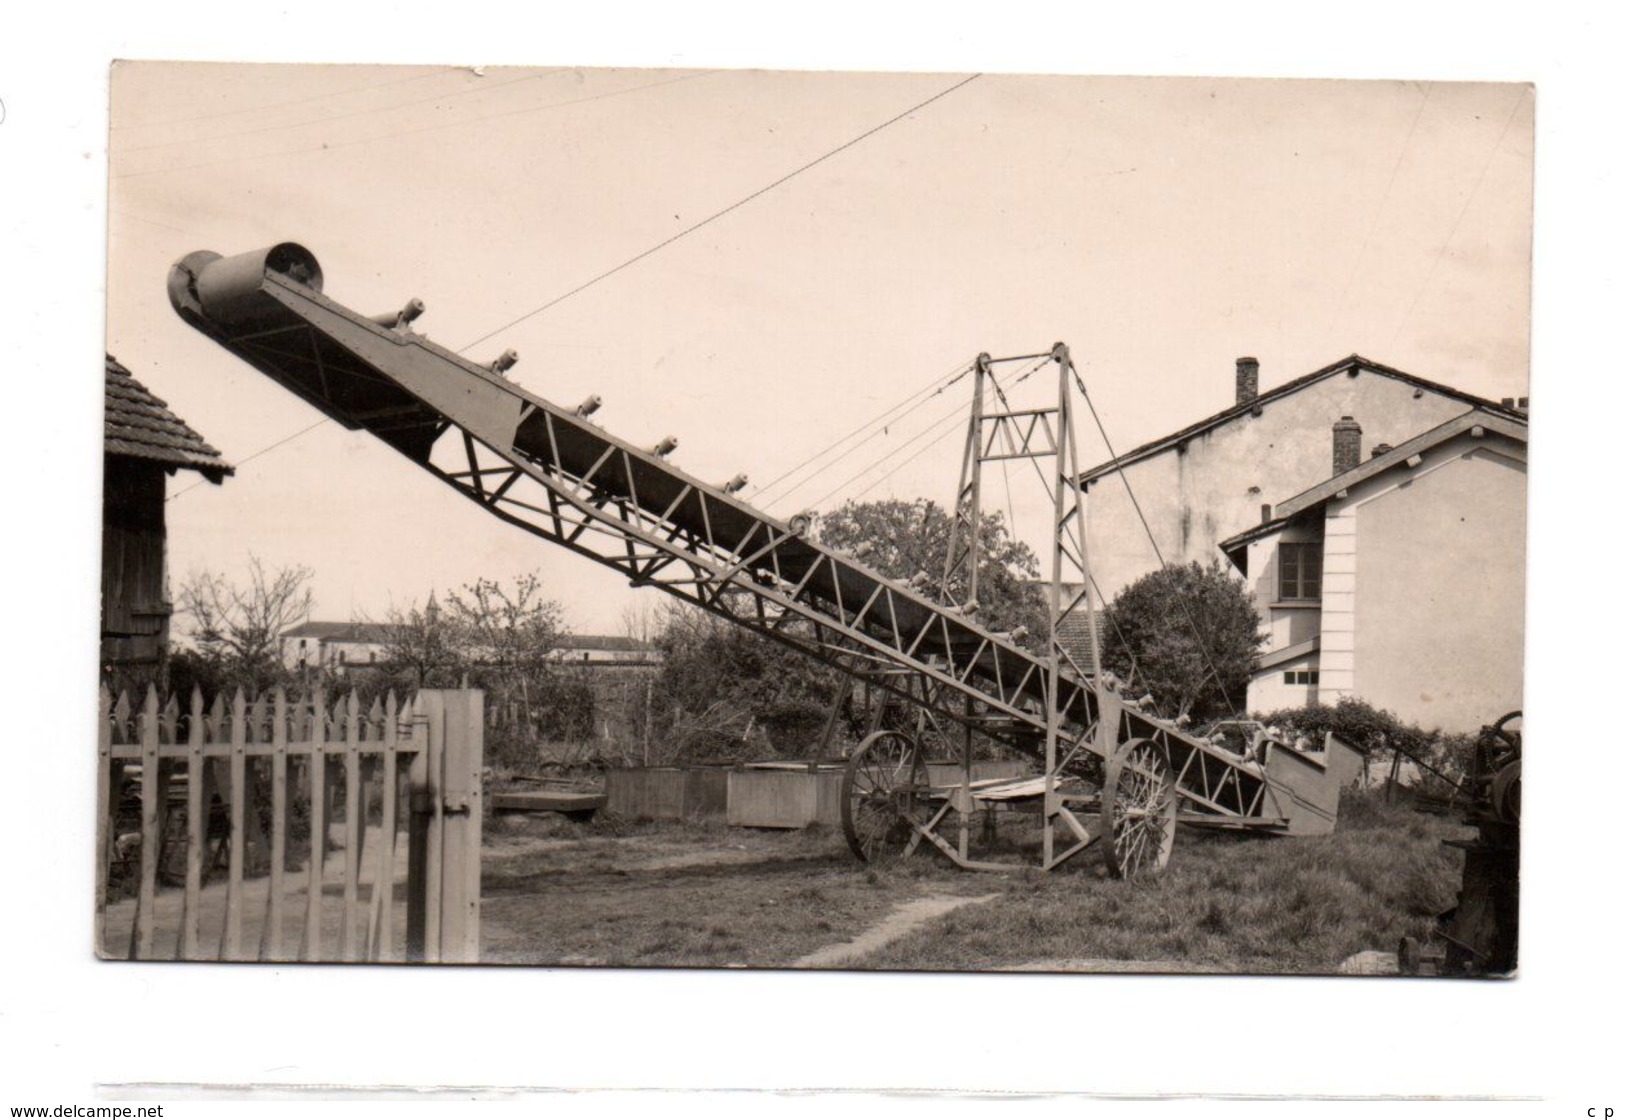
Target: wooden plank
<point x="151" y="827"/>
<point x="464" y="750"/>
<point x="104" y="812"/>
<point x="381" y="924"/>
<point x="417" y="839"/>
<point x="434" y="761"/>
<point x="197" y="830"/>
<point x="311" y="949"/>
<point x="168" y="724"/>
<point x="350" y="930"/>
<point x="547" y="801"/>
<point x="272" y="941"/>
<point x="232" y="942"/>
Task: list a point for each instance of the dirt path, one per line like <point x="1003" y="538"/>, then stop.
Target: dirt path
<point x="905" y="919"/>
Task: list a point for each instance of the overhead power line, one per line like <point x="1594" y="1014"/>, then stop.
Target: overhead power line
<point x="880" y="423"/>
<point x="703" y="222"/>
<point x="648" y="252"/>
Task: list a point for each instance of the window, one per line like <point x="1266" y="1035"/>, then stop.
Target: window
<point x="1303" y="676"/>
<point x="1300" y="571"/>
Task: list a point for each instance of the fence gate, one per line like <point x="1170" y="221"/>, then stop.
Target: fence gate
<point x="287" y="829"/>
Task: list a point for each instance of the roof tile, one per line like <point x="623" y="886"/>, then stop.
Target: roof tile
<point x="139" y="425"/>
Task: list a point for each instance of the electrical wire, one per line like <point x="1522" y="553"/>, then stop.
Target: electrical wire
<point x="725" y="210"/>
<point x="880" y="423"/>
<point x="1196" y="629"/>
<point x="1465" y="206"/>
<point x="255" y="455"/>
<point x="647" y="252"/>
<point x="947" y="417"/>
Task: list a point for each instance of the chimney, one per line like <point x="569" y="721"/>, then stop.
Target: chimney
<point x="1345" y="445"/>
<point x="1246" y="379"/>
<point x="1381" y="449"/>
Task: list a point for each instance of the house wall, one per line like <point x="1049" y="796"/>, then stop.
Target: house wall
<point x="1438" y="604"/>
<point x="326" y="651"/>
<point x="1213" y="487"/>
<point x="135" y="605"/>
<point x="1269" y="692"/>
<point x="1285" y="624"/>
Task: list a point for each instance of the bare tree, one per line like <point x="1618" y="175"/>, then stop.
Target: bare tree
<point x="238" y="627"/>
<point x="422" y="646"/>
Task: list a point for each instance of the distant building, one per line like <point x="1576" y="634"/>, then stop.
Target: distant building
<point x="142" y="443"/>
<point x="606" y="650"/>
<point x="1220" y="475"/>
<point x="340" y="646"/>
<point x="1400" y="577"/>
<point x="335" y="645"/>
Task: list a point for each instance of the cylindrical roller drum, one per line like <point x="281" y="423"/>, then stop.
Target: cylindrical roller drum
<point x="226" y="290"/>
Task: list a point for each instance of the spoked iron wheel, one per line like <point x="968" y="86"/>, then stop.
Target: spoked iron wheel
<point x="883" y="790"/>
<point x="1138" y="809"/>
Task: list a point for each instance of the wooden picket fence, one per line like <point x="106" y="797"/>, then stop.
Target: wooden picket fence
<point x="419" y="761"/>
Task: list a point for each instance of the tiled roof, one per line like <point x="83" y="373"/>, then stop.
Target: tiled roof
<point x="1352" y="362"/>
<point x="342" y="631"/>
<point x="381" y="632"/>
<point x="139" y="425"/>
<point x="1511" y="425"/>
<point x="613" y="643"/>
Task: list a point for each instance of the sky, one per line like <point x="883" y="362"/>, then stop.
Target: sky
<point x="1162" y="227"/>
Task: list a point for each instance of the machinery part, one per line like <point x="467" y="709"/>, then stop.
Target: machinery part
<point x="883" y="792"/>
<point x="1481" y="931"/>
<point x="1139" y="809"/>
<point x="1506" y="792"/>
<point x="547" y="470"/>
<point x="227" y="290"/>
<point x="400" y="320"/>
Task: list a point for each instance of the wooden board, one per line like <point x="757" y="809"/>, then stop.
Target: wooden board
<point x="547" y="801"/>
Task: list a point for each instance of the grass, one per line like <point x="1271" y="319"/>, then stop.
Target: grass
<point x="614" y="893"/>
<point x="1226" y="903"/>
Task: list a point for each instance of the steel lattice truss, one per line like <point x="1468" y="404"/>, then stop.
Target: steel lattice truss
<point x="553" y="472"/>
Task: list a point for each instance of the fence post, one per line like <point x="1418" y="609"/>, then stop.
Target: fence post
<point x="420" y="802"/>
<point x="462" y="758"/>
<point x="152" y="815"/>
<point x="105" y="809"/>
<point x="443" y="869"/>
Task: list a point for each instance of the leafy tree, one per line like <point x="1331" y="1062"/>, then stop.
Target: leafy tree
<point x="730" y="694"/>
<point x="1189" y="635"/>
<point x="235" y="629"/>
<point x="904" y="539"/>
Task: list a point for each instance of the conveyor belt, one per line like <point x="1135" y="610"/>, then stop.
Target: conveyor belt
<point x="554" y="472"/>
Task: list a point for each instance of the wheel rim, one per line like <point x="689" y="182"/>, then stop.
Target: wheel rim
<point x="881" y="792"/>
<point x="1139" y="808"/>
